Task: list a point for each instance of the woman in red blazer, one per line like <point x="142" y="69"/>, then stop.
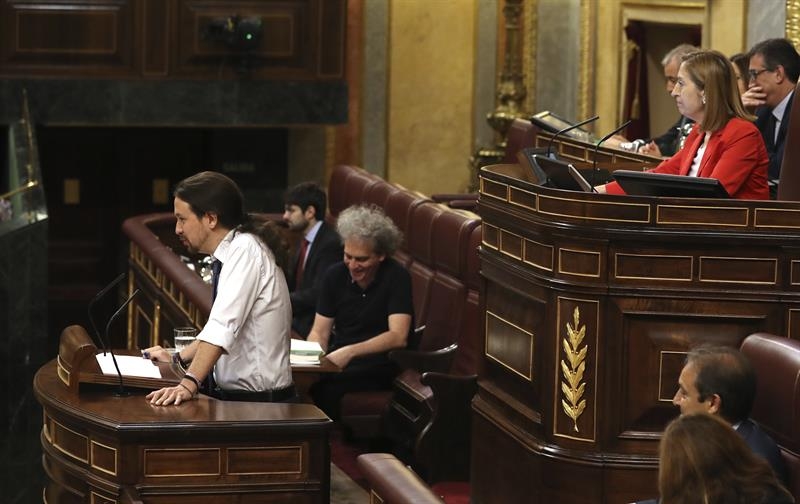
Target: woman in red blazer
<point x="724" y="143"/>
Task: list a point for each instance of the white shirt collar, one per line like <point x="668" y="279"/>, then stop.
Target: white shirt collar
<point x="781" y="107"/>
<point x="221" y="252"/>
<point x="312" y="233"/>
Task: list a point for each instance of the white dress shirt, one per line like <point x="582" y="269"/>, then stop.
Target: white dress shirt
<point x="312" y="234"/>
<point x="778" y="113"/>
<point x="251" y="318"/>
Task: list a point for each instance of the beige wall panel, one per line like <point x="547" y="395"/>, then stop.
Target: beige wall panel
<point x="724" y="29"/>
<point x="430" y="93"/>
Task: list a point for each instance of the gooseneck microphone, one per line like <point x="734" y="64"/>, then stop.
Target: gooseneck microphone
<point x="121" y="392"/>
<point x="565" y="130"/>
<point x="97" y="297"/>
<point x="597" y="146"/>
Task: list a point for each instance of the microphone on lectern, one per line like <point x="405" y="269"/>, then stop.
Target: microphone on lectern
<point x="565" y="130"/>
<point x="597" y="146"/>
<point x="122" y="391"/>
<point x="105" y="290"/>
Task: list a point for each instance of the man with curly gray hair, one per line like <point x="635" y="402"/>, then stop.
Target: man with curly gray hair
<point x="364" y="308"/>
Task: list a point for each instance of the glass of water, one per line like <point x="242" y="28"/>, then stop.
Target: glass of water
<point x="183" y="337"/>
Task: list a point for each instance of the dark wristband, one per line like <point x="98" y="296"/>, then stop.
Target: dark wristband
<point x="176" y="358"/>
<point x="191" y="378"/>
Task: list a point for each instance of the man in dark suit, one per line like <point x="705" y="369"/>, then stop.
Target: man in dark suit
<point x="774" y="69"/>
<point x="319" y="248"/>
<point x="670" y="141"/>
<point x="720" y="380"/>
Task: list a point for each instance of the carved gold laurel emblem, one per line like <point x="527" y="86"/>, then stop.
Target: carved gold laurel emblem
<point x="572" y="369"/>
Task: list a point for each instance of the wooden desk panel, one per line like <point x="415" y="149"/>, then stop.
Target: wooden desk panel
<point x="102" y="448"/>
<point x="591" y="304"/>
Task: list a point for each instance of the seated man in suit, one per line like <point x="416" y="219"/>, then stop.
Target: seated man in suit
<point x="320" y="247"/>
<point x="364" y="308"/>
<point x="671" y="140"/>
<point x="720" y="380"/>
<point x="774" y="69"/>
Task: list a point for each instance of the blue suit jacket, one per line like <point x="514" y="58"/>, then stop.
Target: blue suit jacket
<point x="764" y="446"/>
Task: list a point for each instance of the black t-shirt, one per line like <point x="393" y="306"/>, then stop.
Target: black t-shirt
<point x="362" y="314"/>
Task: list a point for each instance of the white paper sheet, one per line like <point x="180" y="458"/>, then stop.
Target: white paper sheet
<point x="129" y="365"/>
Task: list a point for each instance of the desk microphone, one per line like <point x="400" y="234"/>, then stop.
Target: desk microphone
<point x="122" y="392"/>
<point x="568" y="128"/>
<point x="94" y="301"/>
<point x="597" y="146"/>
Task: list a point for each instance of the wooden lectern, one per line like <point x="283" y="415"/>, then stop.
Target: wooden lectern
<point x="99" y="447"/>
<point x="591" y="303"/>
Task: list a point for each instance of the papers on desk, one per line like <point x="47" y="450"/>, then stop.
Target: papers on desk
<point x="305" y="352"/>
<point x="129" y="365"/>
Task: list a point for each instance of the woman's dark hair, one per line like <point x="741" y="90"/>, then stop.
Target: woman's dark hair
<point x="703" y="460"/>
<point x="742" y="63"/>
<point x="273" y="237"/>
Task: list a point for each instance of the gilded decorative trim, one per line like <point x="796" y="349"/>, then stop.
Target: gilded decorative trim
<point x="505" y="250"/>
<point x="543" y="198"/>
<point x="46" y="428"/>
<point x="793" y="21"/>
<point x="296" y="448"/>
<point x="514" y="201"/>
<point x="573" y="368"/>
<point x="57" y="440"/>
<point x="753" y="260"/>
<point x="96" y="498"/>
<point x="487" y="185"/>
<point x="587" y="253"/>
<point x="648" y="256"/>
<point x="543" y="245"/>
<point x="585" y="97"/>
<point x="131" y="308"/>
<point x="793" y="313"/>
<point x="156" y="323"/>
<point x="728" y="210"/>
<point x="497" y="232"/>
<point x="762" y="214"/>
<point x="209" y="451"/>
<point x="374" y="498"/>
<point x="528" y="376"/>
<point x="62" y="372"/>
<point x="113" y="450"/>
<point x="141" y="315"/>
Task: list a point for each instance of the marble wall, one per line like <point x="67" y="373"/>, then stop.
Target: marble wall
<point x="24" y="347"/>
<point x="765" y="19"/>
<point x="430" y="93"/>
<point x="558" y="57"/>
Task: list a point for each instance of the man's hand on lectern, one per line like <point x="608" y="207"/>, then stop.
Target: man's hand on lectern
<point x="170" y="395"/>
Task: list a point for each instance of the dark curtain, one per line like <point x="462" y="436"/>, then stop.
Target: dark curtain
<point x="635" y="105"/>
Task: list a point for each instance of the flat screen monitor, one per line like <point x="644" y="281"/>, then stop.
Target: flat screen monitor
<point x="558" y="173"/>
<point x="660" y="184"/>
<point x="549" y="121"/>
